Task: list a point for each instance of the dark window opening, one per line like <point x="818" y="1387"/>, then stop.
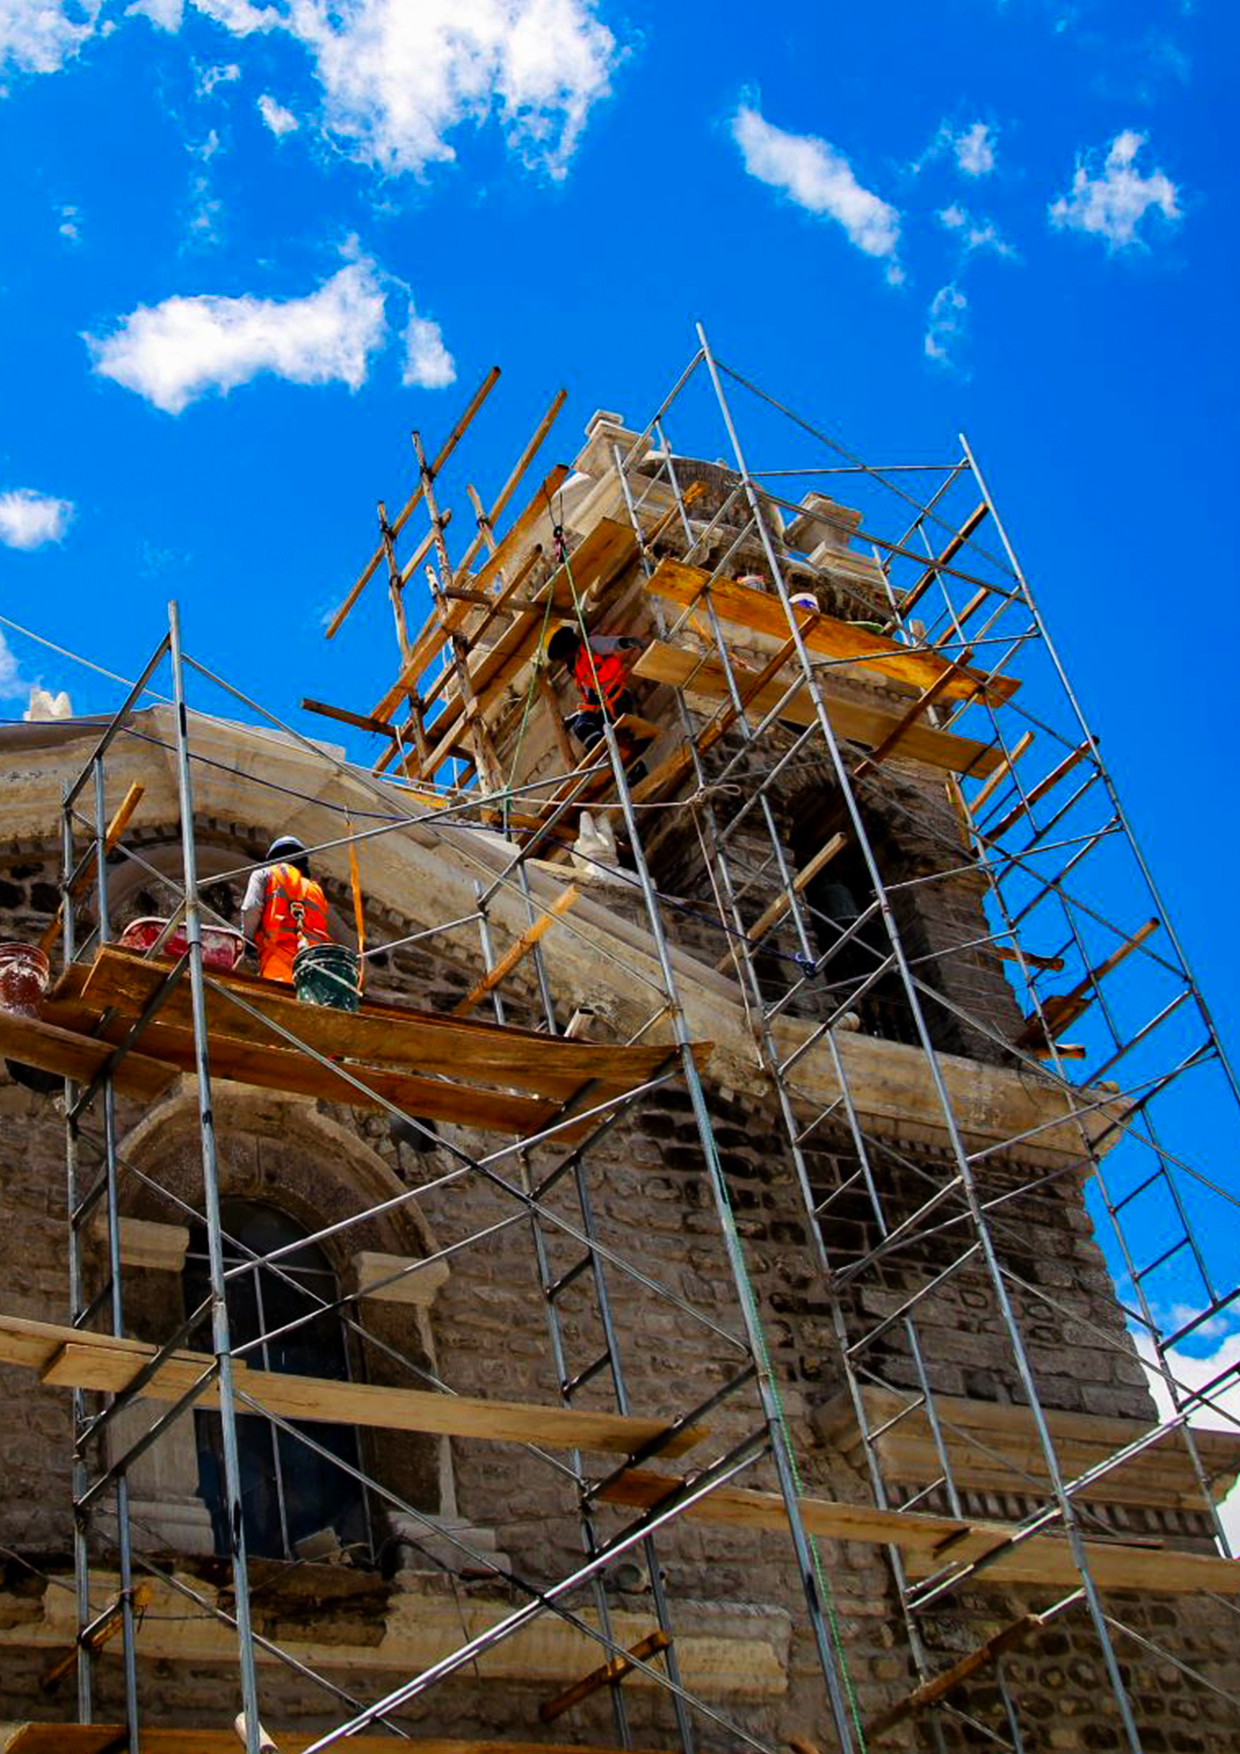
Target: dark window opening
<point x="288" y="1492"/>
<point x="849" y="931"/>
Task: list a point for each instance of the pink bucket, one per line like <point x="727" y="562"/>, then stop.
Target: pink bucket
<point x="23" y="979"/>
<point x="222" y="948"/>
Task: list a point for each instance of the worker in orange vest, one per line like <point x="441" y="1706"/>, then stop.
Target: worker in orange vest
<point x="283" y="909"/>
<point x="602" y="678"/>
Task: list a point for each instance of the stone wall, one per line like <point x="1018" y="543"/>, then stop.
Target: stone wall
<point x="486" y="1335"/>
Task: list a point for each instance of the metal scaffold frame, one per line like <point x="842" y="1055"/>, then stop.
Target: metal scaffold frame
<point x="794" y="964"/>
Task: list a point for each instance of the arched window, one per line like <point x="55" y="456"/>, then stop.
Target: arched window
<point x="288" y="1491"/>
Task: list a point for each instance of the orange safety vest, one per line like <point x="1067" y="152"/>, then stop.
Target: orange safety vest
<point x="612" y="679"/>
<point x="294" y="913"/>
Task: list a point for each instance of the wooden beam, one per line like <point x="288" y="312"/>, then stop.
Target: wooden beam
<point x="500" y="503"/>
<point x="379" y="1033"/>
<point x="376" y="727"/>
<point x="439" y="628"/>
<point x="517" y="951"/>
<point x="760" y="612"/>
<point x="115" y="829"/>
<point x="98" y="1634"/>
<point x="1038" y="1560"/>
<point x="1061" y="1010"/>
<point x="782" y="903"/>
<point x="1002" y="768"/>
<point x="931" y="1692"/>
<point x="1039" y="791"/>
<point x="71" y="1054"/>
<point x="402" y="517"/>
<point x="606" y="1675"/>
<point x="858" y="721"/>
<point x="1054" y="963"/>
<point x="907" y="720"/>
<point x="69" y="1357"/>
<point x="916" y="592"/>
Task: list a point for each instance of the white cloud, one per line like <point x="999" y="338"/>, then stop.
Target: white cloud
<point x="945" y="328"/>
<point x="209" y="77"/>
<point x="277" y="118"/>
<point x="975" y="150"/>
<point x="398" y="78"/>
<point x="1195" y="1373"/>
<point x="427" y="361"/>
<point x="1111" y="202"/>
<point x="29" y="519"/>
<point x="205" y="213"/>
<point x="173" y="353"/>
<point x="819" y="179"/>
<point x="11" y="679"/>
<point x="68" y="227"/>
<point x="206" y="149"/>
<point x="975" y="235"/>
<point x="39" y="36"/>
<point x="163" y="14"/>
<point x="239" y="16"/>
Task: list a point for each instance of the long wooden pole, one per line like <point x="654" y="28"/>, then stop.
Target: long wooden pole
<point x="402" y="517"/>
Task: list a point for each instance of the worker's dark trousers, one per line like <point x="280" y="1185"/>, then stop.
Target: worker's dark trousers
<point x="587" y="725"/>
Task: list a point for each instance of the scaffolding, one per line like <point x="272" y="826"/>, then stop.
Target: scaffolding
<point x="894" y="660"/>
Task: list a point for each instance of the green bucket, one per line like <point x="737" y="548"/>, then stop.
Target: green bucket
<point x="327" y="974"/>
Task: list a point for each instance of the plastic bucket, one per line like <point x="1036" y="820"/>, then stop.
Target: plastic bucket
<point x="327" y="974"/>
<point x="222" y="947"/>
<point x="23" y="979"/>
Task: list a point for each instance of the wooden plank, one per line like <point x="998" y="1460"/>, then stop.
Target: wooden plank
<point x="857" y="721"/>
<point x="99" y="1362"/>
<point x="402" y="517"/>
<point x="486" y="526"/>
<point x="376" y="727"/>
<point x="908" y="719"/>
<point x="32" y="1042"/>
<point x="110" y="1739"/>
<point x="115" y="829"/>
<point x="606" y="1675"/>
<point x="1061" y="1010"/>
<point x="1041" y="1559"/>
<point x="1043" y="786"/>
<point x="758" y="611"/>
<point x="103" y="1631"/>
<point x="515" y="953"/>
<point x="607" y="549"/>
<point x="782" y="903"/>
<point x="608" y="546"/>
<point x="284" y="1069"/>
<point x="991" y="1444"/>
<point x="1006" y="954"/>
<point x="930" y="1692"/>
<point x="1002" y="768"/>
<point x="386" y="1034"/>
<point x="916" y="592"/>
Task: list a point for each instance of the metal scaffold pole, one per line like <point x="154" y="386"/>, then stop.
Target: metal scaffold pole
<point x="221" y="1341"/>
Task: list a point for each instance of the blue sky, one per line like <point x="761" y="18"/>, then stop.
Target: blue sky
<point x="249" y="246"/>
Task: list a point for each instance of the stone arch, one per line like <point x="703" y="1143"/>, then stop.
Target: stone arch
<point x="285" y="1152"/>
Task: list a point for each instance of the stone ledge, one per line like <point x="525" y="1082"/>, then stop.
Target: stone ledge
<point x="731" y="1650"/>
